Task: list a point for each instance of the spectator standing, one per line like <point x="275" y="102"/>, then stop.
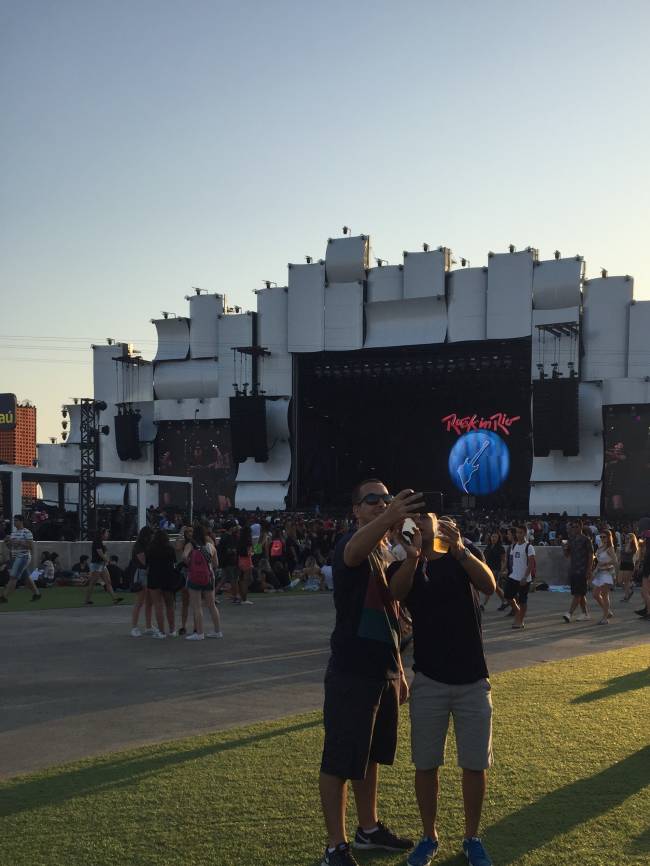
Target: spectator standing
<point x="580" y="552"/>
<point x="182" y="541"/>
<point x="495" y="556"/>
<point x="245" y="563"/>
<point x="138" y="569"/>
<point x="518" y="585"/>
<point x="21" y="545"/>
<point x="162" y="579"/>
<point x="201" y="559"/>
<point x="603" y="579"/>
<point x="629" y="553"/>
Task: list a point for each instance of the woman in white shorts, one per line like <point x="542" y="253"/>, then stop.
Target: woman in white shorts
<point x="604" y="574"/>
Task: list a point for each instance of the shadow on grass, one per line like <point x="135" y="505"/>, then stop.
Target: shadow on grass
<point x="562" y="810"/>
<point x="642" y="841"/>
<point x="616" y="686"/>
<point x="23" y="795"/>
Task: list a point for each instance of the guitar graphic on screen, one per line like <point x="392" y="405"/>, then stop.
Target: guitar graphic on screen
<point x="470" y="465"/>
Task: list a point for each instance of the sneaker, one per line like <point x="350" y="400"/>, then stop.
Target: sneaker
<point x="89" y="602"/>
<point x="158" y="635"/>
<point x="182" y="632"/>
<point x="36" y="597"/>
<point x="247" y="601"/>
<point x="150" y="630"/>
<point x="135" y="632"/>
<point x="567" y="617"/>
<point x="424" y="852"/>
<point x="236" y="601"/>
<point x="118" y="600"/>
<point x="173" y="633"/>
<point x="610" y="614"/>
<point x="520" y="626"/>
<point x="195" y="636"/>
<point x="502" y="606"/>
<point x="475" y="852"/>
<point x="603" y="621"/>
<point x="340" y="856"/>
<point x="582" y="617"/>
<point x="214" y="634"/>
<point x="641" y="612"/>
<point x="380" y="838"/>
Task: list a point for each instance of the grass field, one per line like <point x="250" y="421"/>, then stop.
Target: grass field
<point x="569" y="786"/>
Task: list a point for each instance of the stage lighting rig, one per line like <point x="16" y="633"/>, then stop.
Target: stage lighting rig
<point x="347" y="230"/>
<point x="557" y="254"/>
<point x="603" y="273"/>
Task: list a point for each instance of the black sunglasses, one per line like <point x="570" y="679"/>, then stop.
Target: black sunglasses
<point x="374" y="498"/>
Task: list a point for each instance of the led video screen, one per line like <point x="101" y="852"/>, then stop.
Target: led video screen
<point x="202" y="452"/>
<point x="626" y="478"/>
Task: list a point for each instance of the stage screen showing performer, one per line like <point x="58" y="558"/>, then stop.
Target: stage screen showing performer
<point x="626" y="478"/>
<point x="201" y="451"/>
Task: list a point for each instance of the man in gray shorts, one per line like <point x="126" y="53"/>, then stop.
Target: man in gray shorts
<point x="451" y="677"/>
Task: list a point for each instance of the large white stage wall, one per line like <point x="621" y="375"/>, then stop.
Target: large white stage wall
<point x="204" y="325"/>
<point x="605" y="327"/>
<point x="467" y="304"/>
<point x="509" y="295"/>
<point x="306" y="311"/>
<point x="275" y="370"/>
<point x="173" y="338"/>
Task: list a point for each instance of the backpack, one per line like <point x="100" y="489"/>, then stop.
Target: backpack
<point x="277" y="547"/>
<point x="199" y="570"/>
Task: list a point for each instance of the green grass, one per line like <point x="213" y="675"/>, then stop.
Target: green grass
<point x="569" y="786"/>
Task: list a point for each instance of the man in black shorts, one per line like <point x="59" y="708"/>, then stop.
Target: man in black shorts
<point x="364" y="682"/>
<point x="580" y="552"/>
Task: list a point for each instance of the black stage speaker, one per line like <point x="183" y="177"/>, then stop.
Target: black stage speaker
<point x="127" y="436"/>
<point x="555" y="417"/>
<point x="248" y="428"/>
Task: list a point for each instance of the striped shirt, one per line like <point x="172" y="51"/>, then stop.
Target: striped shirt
<point x="18" y="541"/>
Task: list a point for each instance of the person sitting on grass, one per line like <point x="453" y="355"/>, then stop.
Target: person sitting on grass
<point x="313" y="579"/>
<point x="81" y="570"/>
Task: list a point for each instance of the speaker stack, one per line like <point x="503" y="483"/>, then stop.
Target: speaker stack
<point x="248" y="428"/>
<point x="556" y="416"/>
<point x="127" y="436"/>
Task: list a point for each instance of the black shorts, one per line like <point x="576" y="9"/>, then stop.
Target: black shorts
<point x="360" y="717"/>
<point x="578" y="582"/>
<point x="514" y="589"/>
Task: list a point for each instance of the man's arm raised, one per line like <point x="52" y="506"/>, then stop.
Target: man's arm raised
<point x="367" y="537"/>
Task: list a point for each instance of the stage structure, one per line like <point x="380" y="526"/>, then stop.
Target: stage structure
<point x="518" y="384"/>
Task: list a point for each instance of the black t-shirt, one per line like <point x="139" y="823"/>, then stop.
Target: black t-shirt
<point x="493" y="555"/>
<point x="227" y="550"/>
<point x="444" y="607"/>
<point x="366" y="637"/>
<point x="98" y="551"/>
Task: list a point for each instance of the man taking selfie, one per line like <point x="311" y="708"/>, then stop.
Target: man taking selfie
<point x="364" y="682"/>
<point x="441" y="591"/>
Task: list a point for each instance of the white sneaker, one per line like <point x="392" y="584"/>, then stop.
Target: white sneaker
<point x="247" y="601"/>
<point x="150" y="631"/>
<point x="135" y="632"/>
<point x="158" y="635"/>
<point x="214" y="634"/>
<point x="195" y="636"/>
<point x="566" y="617"/>
<point x="582" y="617"/>
<point x="173" y="633"/>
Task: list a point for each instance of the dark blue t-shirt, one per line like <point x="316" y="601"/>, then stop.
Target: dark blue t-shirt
<point x="366" y="636"/>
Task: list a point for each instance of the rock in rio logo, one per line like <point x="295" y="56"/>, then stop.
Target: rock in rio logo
<point x="479" y="462"/>
<point x="498" y="423"/>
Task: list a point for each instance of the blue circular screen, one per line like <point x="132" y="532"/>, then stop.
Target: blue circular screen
<point x="479" y="463"/>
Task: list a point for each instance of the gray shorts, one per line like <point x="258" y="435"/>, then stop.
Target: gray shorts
<point x="470" y="705"/>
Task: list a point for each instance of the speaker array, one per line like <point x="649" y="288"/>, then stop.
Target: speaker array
<point x="248" y="428"/>
<point x="555" y="417"/>
<point x="127" y="436"/>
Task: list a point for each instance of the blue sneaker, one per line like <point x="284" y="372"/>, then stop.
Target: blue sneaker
<point x="475" y="852"/>
<point x="424" y="852"/>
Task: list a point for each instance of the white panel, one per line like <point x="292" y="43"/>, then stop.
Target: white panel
<point x="385" y="283"/>
<point x="346" y="259"/>
<point x="147" y="423"/>
<point x="306" y="310"/>
<point x="556" y="283"/>
<point x="204" y="325"/>
<point x="588" y="464"/>
<point x="58" y="458"/>
<point x="509" y="295"/>
<point x="173" y="339"/>
<point x="211" y="409"/>
<point x="179" y="379"/>
<point x="273" y="334"/>
<point x="234" y="330"/>
<point x="548" y="349"/>
<point x="278" y="466"/>
<point x="638" y="363"/>
<point x="110" y="494"/>
<point x="269" y="496"/>
<point x="73" y="419"/>
<point x="277" y="420"/>
<point x="343" y="316"/>
<point x="467" y="304"/>
<point x="406" y="323"/>
<point x="121" y="381"/>
<point x="605" y="327"/>
<point x="109" y="460"/>
<point x="424" y="274"/>
<point x="625" y="392"/>
<point x="105" y="372"/>
<point x="574" y="498"/>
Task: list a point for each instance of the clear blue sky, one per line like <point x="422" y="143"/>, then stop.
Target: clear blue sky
<point x="149" y="146"/>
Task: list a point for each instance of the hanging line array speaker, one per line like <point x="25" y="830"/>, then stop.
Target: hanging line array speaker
<point x="248" y="428"/>
<point x="556" y="417"/>
<point x="127" y="436"/>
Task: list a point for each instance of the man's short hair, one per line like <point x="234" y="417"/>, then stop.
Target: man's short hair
<point x="356" y="490"/>
<point x="19" y="517"/>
